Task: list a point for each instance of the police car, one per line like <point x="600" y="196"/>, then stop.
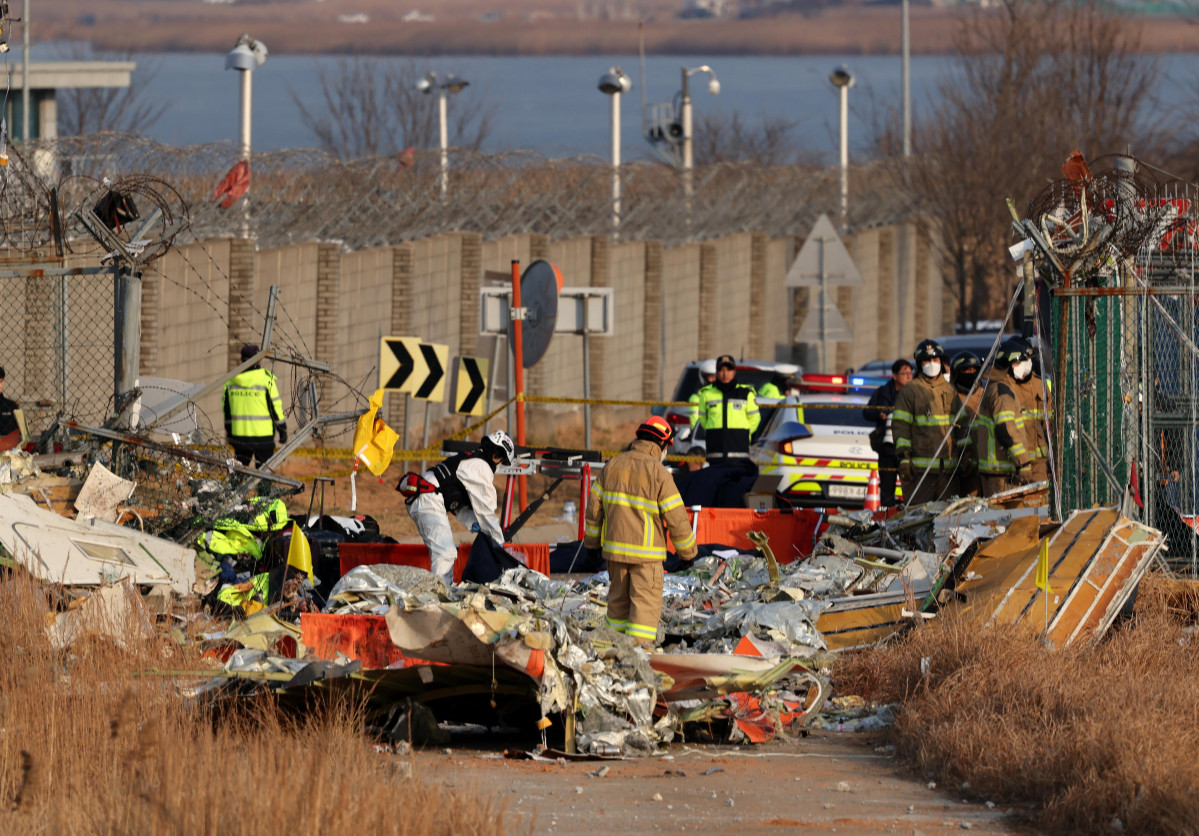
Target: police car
<point x="819" y="444"/>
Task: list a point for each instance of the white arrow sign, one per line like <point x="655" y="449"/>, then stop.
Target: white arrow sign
<point x="823" y="260"/>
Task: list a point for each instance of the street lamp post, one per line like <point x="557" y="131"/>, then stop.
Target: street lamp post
<point x="450" y="84"/>
<point x="247" y="55"/>
<point x="906" y="80"/>
<point x="613" y="83"/>
<point x="685" y="116"/>
<point x="842" y="80"/>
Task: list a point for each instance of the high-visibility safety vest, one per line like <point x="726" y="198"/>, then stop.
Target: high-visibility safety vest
<point x="250" y="596"/>
<point x="230" y="537"/>
<point x="769" y="390"/>
<point x="923" y="424"/>
<point x="999" y="430"/>
<point x="252" y="404"/>
<point x="272" y="514"/>
<point x="728" y="421"/>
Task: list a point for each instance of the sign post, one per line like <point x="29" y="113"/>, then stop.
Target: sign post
<point x="823" y="262"/>
<point x="518" y="315"/>
<point x="588" y="312"/>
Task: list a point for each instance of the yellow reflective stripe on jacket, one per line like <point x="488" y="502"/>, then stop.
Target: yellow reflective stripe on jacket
<point x="633" y="550"/>
<point x="630" y="501"/>
<point x="686" y="543"/>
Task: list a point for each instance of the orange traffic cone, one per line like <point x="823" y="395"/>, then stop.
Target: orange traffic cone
<point x="873" y="499"/>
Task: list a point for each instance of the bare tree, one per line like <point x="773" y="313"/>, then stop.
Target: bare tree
<point x="83" y="110"/>
<point x="722" y="138"/>
<point x="1033" y="81"/>
<point x="371" y="107"/>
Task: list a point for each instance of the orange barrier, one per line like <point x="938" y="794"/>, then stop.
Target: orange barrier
<point x="792" y="533"/>
<point x="362" y="637"/>
<point x="415" y="554"/>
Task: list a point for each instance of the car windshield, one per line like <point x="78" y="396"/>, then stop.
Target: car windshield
<point x="849" y="415"/>
<point x="693" y="380"/>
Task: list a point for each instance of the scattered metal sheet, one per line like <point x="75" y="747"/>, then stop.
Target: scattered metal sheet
<point x="862" y="620"/>
<point x="58" y="550"/>
<point x="1096" y="559"/>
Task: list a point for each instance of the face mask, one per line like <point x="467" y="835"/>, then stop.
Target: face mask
<point x="966" y="380"/>
<point x="1022" y="370"/>
<point x="931" y="369"/>
<point x="662" y="457"/>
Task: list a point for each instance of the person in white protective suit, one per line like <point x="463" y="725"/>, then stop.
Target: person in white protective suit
<point x="462" y="485"/>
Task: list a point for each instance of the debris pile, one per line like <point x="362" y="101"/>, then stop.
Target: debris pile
<point x="743" y="647"/>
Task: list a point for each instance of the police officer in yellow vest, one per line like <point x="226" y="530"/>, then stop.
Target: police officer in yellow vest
<point x="729" y="415"/>
<point x="253" y="412"/>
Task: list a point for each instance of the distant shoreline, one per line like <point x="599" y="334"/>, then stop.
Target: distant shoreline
<point x="313" y="29"/>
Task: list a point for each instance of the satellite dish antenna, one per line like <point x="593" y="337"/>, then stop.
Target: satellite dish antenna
<point x="539" y="286"/>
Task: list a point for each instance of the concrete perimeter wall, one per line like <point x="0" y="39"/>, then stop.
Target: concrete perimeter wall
<point x="673" y="305"/>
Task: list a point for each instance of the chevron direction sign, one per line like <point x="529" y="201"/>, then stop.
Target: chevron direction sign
<point x="470" y="395"/>
<point x="406" y="364"/>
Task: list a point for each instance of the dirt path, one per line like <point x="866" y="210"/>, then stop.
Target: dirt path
<point x="827" y="783"/>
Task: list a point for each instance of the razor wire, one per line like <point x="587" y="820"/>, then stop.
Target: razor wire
<point x="301" y="195"/>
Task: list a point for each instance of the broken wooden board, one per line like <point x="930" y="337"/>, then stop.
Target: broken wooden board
<point x="58" y="550"/>
<point x="1096" y="560"/>
<point x="55" y="493"/>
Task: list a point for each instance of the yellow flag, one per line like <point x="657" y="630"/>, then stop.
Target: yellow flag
<point x="299" y="553"/>
<point x="1042" y="580"/>
<point x="374" y="441"/>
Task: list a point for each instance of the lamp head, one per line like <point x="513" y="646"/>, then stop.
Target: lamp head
<point x="425" y="85"/>
<point x="247" y="54"/>
<point x="455" y="84"/>
<point x="841" y="77"/>
<point x="714" y="86"/>
<point x="615" y="81"/>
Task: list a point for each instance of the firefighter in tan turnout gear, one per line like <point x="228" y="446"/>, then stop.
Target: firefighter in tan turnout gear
<point x="630" y="503"/>
<point x="929" y="446"/>
<point x="1000" y="436"/>
<point x="1032" y="393"/>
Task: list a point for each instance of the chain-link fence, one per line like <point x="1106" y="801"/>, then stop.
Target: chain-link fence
<point x="1125" y="330"/>
<point x="57" y="350"/>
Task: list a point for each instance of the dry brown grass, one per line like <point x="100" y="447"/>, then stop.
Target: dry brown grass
<point x="1087" y="734"/>
<point x="86" y="746"/>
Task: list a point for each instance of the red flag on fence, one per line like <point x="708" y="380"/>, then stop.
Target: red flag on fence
<point x="235" y="184"/>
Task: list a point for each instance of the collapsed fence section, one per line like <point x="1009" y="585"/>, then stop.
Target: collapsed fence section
<point x="1127" y="382"/>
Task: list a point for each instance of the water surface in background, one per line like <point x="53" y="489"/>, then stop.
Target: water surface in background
<point x="551" y="104"/>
